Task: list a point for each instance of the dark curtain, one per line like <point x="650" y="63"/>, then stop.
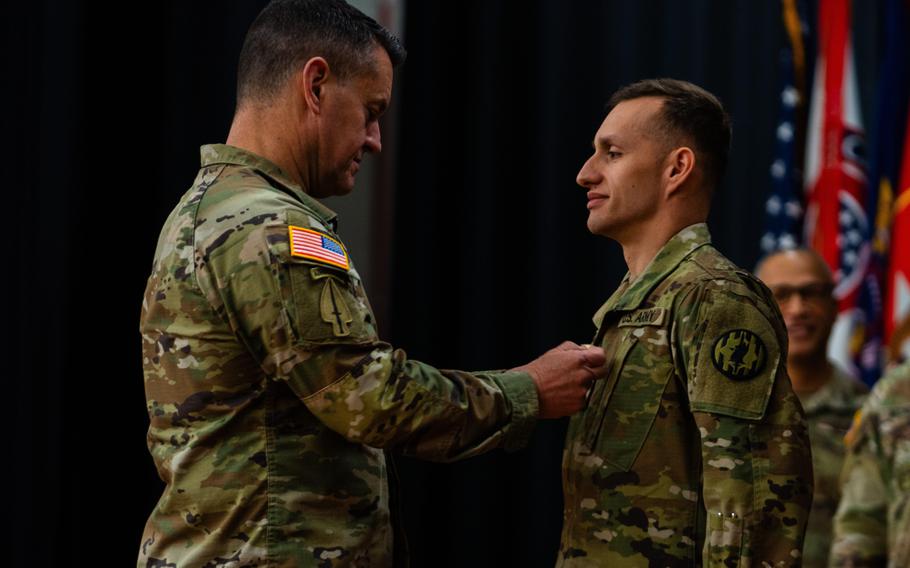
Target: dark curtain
<point x="491" y="263"/>
<point x="107" y="105"/>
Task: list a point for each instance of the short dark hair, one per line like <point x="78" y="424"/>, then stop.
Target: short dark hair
<point x="288" y="33"/>
<point x="691" y="113"/>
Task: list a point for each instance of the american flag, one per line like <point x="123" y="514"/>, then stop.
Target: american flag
<point x="784" y="207"/>
<point x="307" y="243"/>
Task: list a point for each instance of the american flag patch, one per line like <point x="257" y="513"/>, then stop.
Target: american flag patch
<point x="307" y="243"/>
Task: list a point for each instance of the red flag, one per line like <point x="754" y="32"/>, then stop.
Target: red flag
<point x="837" y="224"/>
<point x="897" y="298"/>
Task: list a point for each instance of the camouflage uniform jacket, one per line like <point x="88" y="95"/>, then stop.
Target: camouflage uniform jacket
<point x="269" y="392"/>
<point x="829" y="411"/>
<point x="693" y="448"/>
<point x="872" y="526"/>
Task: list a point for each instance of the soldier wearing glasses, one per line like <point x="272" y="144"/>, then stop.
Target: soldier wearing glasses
<point x="802" y="285"/>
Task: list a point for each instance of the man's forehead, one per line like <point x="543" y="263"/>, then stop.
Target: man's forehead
<point x="374" y="85"/>
<point x="630" y="119"/>
<point x="794" y="267"/>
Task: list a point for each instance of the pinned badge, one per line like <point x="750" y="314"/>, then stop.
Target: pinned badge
<point x="739" y="354"/>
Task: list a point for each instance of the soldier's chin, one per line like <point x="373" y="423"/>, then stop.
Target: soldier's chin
<point x="804" y="351"/>
<point x="596" y="227"/>
<point x="344" y="186"/>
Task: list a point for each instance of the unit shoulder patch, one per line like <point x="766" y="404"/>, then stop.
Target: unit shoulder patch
<point x="739" y="354"/>
<point x="735" y="360"/>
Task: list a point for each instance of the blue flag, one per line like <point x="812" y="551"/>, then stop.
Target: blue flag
<point x="884" y="170"/>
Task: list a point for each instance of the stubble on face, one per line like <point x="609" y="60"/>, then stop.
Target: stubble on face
<point x="623" y="175"/>
<point x="350" y="127"/>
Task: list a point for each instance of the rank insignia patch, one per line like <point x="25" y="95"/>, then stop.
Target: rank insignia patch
<point x="307" y="243"/>
<point x="739" y="354"/>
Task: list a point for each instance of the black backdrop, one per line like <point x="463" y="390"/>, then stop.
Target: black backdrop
<point x="491" y="262"/>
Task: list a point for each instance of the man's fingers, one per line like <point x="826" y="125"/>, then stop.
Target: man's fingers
<point x="590" y="376"/>
<point x="593" y="356"/>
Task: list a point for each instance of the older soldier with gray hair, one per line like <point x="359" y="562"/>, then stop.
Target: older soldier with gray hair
<point x="270" y="395"/>
<point x="693" y="449"/>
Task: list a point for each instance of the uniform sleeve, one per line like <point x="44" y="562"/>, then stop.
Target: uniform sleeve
<point x="307" y="321"/>
<point x="756" y="461"/>
<point x="860" y="525"/>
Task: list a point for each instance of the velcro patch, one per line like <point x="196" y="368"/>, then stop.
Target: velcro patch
<point x="739" y="354"/>
<point x="734" y="363"/>
<point x="650" y="316"/>
<point x="318" y="247"/>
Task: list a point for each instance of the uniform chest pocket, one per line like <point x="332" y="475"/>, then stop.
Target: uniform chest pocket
<point x="631" y="400"/>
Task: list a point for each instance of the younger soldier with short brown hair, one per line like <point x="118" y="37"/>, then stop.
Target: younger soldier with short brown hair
<point x="693" y="449"/>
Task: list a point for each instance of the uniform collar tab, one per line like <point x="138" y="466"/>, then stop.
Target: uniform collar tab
<point x="632" y="293"/>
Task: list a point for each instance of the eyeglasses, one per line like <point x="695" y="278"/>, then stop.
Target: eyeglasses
<point x="817" y="292"/>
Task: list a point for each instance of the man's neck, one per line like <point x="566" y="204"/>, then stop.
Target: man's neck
<point x="248" y="132"/>
<point x="810" y="375"/>
<point x="640" y="251"/>
<point x="638" y="256"/>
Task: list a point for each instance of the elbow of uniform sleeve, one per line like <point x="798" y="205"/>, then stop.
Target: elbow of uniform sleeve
<point x="521" y="391"/>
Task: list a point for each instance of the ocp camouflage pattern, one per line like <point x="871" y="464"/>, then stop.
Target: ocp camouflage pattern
<point x="693" y="449"/>
<point x="270" y="395"/>
<point x="829" y="412"/>
<point x="872" y="525"/>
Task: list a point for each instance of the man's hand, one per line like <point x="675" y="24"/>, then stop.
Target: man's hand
<point x="563" y="375"/>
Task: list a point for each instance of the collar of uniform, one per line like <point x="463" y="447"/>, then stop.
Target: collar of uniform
<point x="631" y="293"/>
<point x="841" y="392"/>
<point x="223" y="154"/>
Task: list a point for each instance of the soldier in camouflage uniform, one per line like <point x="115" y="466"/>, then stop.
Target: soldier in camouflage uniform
<point x="872" y="525"/>
<point x="693" y="449"/>
<point x="270" y="395"/>
<point x="801" y="284"/>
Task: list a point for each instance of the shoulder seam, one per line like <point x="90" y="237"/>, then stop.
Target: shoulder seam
<point x="196" y="227"/>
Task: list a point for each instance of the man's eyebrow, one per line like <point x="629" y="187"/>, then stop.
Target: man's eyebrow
<point x="603" y="142"/>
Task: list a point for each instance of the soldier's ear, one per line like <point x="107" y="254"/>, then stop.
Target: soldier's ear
<point x="678" y="168"/>
<point x="312" y="79"/>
